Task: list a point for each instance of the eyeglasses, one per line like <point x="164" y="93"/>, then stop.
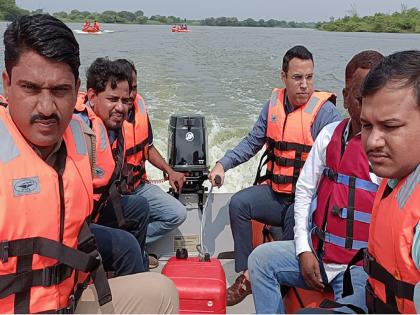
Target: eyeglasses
<point x="298" y="78"/>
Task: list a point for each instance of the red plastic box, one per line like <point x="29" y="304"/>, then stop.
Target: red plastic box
<point x="201" y="285"/>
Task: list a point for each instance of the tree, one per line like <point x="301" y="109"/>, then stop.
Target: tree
<point x="139" y="13"/>
<point x="129" y="16"/>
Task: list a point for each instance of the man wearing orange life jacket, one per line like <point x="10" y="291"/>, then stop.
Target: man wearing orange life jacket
<point x="288" y="125"/>
<point x="128" y="212"/>
<point x="47" y="192"/>
<point x="133" y="146"/>
<point x="390" y="129"/>
<point x="335" y="194"/>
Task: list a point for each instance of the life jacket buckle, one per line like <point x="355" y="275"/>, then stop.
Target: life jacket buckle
<point x="88" y="245"/>
<point x="331" y="174"/>
<point x="50" y="276"/>
<point x="72" y="304"/>
<point x="367" y="260"/>
<point x="4" y="250"/>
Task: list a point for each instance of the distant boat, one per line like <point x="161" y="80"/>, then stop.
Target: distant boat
<point x="93" y="32"/>
<point x="179" y="28"/>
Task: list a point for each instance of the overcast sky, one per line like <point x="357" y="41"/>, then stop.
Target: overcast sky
<point x="297" y="10"/>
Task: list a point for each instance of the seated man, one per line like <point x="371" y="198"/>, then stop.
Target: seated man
<point x="336" y="177"/>
<point x="390" y="130"/>
<point x="165" y="212"/>
<point x="129" y="212"/>
<point x="47" y="191"/>
<point x="288" y="124"/>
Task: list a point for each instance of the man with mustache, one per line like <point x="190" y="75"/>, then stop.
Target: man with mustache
<point x="46" y="192"/>
<point x="390" y="133"/>
<point x="334" y="199"/>
<point x="288" y="125"/>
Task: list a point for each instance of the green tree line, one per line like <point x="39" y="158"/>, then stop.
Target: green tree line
<point x="406" y="21"/>
<point x="233" y="21"/>
<point x="9" y="10"/>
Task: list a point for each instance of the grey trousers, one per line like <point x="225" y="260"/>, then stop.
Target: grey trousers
<point x="140" y="293"/>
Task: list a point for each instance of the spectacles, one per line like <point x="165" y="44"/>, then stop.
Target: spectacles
<point x="298" y="78"/>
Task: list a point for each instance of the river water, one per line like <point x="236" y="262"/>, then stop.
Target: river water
<point x="224" y="73"/>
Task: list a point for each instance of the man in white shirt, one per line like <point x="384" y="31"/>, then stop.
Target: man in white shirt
<point x="325" y="240"/>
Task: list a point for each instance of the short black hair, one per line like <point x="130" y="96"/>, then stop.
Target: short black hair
<point x="104" y="70"/>
<point x="300" y="52"/>
<point x="401" y="68"/>
<point x="366" y="59"/>
<point x="127" y="63"/>
<point x="43" y="34"/>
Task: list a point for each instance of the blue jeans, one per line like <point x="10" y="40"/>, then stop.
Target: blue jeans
<point x="165" y="212"/>
<point x="264" y="205"/>
<point x="119" y="249"/>
<point x="134" y="208"/>
<point x="274" y="264"/>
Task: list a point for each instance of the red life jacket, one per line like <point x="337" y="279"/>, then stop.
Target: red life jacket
<point x="341" y="209"/>
<point x="131" y="149"/>
<point x="392" y="271"/>
<point x="289" y="139"/>
<point x="44" y="238"/>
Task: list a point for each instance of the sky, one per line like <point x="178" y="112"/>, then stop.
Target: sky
<point x="289" y="10"/>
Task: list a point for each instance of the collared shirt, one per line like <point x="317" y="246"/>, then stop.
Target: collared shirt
<point x="255" y="140"/>
<point x="306" y="187"/>
<point x="52" y="157"/>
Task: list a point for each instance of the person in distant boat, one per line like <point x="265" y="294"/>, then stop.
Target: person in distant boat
<point x="46" y="197"/>
<point x="86" y="25"/>
<point x="333" y="203"/>
<point x="390" y="121"/>
<point x="96" y="26"/>
<point x="288" y="125"/>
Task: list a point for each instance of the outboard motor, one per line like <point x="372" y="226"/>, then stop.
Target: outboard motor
<point x="187" y="151"/>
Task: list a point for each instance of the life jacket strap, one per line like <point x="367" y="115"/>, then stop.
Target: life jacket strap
<point x="345" y="180"/>
<point x="359" y="216"/>
<point x="337" y="240"/>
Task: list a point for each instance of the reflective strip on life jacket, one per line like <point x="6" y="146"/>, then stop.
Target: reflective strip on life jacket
<point x="345" y="180"/>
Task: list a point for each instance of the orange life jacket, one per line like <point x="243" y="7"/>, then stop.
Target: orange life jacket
<point x="289" y="138"/>
<point x="43" y="234"/>
<point x="392" y="271"/>
<point x="104" y="162"/>
<point x="131" y="149"/>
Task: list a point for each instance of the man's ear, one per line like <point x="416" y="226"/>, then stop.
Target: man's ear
<point x="92" y="97"/>
<point x="78" y="85"/>
<point x="283" y="77"/>
<point x="345" y="94"/>
<point x="6" y="83"/>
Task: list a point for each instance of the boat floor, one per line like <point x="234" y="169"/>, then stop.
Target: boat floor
<point x="245" y="307"/>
